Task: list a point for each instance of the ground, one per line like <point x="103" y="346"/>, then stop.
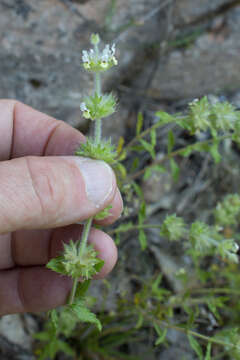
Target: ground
<point x="170" y="52"/>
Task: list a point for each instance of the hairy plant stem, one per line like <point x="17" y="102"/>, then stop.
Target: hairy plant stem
<point x="81" y="247"/>
<point x="87" y="226"/>
<point x="98" y="122"/>
<point x="135" y="227"/>
<point x="171" y="155"/>
<point x="190" y="332"/>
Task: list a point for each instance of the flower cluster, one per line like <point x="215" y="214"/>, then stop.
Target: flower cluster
<point x="228" y="211"/>
<point x="98" y="106"/>
<point x="75" y="265"/>
<point x="104" y="151"/>
<point x="173" y="228"/>
<point x="220" y="116"/>
<point x="96" y="61"/>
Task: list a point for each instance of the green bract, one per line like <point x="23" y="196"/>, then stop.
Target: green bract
<point x="103" y="151"/>
<point x="201" y="236"/>
<point x="228" y="211"/>
<point x="173" y="228"/>
<point x="199" y="114"/>
<point x="98" y="106"/>
<point x="77" y="266"/>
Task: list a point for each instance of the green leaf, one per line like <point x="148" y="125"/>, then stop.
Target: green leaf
<point x="152" y="169"/>
<point x="82" y="288"/>
<point x="99" y="265"/>
<point x="104" y="213"/>
<point x="103" y="150"/>
<point x="54" y="318"/>
<point x="214" y="152"/>
<point x="84" y="314"/>
<point x="63" y="346"/>
<point x="153" y="136"/>
<point x="161" y="338"/>
<point x="195" y="346"/>
<point x="42" y="336"/>
<point x="140" y="321"/>
<point x="208" y="353"/>
<point x="142" y="239"/>
<point x="138" y="190"/>
<point x="148" y="147"/>
<point x="161" y="334"/>
<point x="171" y="141"/>
<point x="139" y="123"/>
<point x="165" y="118"/>
<point x="175" y="170"/>
<point x="122" y="170"/>
<point x="135" y="164"/>
<point x="124" y="227"/>
<point x="120" y="145"/>
<point x="56" y="265"/>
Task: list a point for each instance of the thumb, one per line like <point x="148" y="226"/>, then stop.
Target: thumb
<point x="45" y="192"/>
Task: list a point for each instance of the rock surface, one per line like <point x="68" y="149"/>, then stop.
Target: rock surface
<point x="168" y="50"/>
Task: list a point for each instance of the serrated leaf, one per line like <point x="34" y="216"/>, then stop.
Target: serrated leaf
<point x="171" y="141"/>
<point x="56" y="265"/>
<point x="99" y="265"/>
<point x="104" y="213"/>
<point x="84" y="314"/>
<point x="175" y="170"/>
<point x="139" y="123"/>
<point x="165" y="118"/>
<point x="195" y="346"/>
<point x="208" y="353"/>
<point x="142" y="239"/>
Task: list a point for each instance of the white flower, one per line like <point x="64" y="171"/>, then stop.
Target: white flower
<point x="99" y="61"/>
<point x="85" y="110"/>
<point x="83" y="107"/>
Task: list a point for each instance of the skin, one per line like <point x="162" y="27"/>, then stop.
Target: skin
<point x="35" y="218"/>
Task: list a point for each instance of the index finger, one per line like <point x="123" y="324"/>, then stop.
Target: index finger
<point x="29" y="132"/>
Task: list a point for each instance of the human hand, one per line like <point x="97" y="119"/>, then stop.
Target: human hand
<point x="42" y="187"/>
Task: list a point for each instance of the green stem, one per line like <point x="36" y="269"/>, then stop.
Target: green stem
<point x="81" y="247"/>
<point x="73" y="292"/>
<point x="171" y="155"/>
<point x="135" y="227"/>
<point x="191" y="332"/>
<point x="98" y="122"/>
<point x="98" y="130"/>
<point x="84" y="239"/>
<point x="98" y="83"/>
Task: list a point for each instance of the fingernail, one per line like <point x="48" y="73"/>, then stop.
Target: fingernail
<point x="99" y="179"/>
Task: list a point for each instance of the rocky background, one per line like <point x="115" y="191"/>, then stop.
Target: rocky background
<point x="170" y="51"/>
